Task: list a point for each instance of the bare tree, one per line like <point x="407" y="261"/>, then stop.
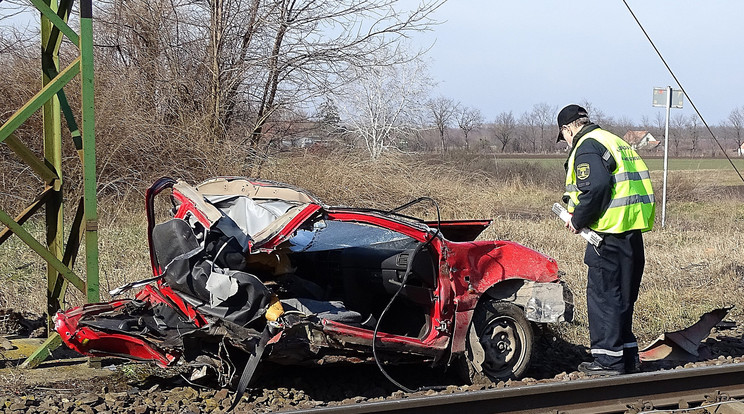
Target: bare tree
<point x="544" y="116"/>
<point x="677" y="124"/>
<point x="657" y="126"/>
<point x="654" y="126"/>
<point x="383" y="105"/>
<point x="14" y="42"/>
<point x="504" y="128"/>
<point x="242" y="61"/>
<point x="154" y="47"/>
<point x="529" y="131"/>
<point x="443" y="111"/>
<point x="536" y="123"/>
<point x="17" y="10"/>
<point x="328" y="120"/>
<point x="736" y="123"/>
<point x="622" y="125"/>
<point x="660" y="123"/>
<point x="647" y="125"/>
<point x="469" y="119"/>
<point x="18" y="30"/>
<point x="597" y="115"/>
<point x="312" y="45"/>
<point x="693" y="131"/>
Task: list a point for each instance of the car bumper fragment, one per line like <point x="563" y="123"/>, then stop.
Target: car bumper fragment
<point x="549" y="303"/>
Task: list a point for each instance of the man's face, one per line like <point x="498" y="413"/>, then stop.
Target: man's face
<point x="567" y="134"/>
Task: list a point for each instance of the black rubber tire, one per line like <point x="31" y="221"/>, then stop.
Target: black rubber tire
<point x="507" y="339"/>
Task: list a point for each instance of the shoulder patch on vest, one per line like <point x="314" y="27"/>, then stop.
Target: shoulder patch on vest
<point x="582" y="171"/>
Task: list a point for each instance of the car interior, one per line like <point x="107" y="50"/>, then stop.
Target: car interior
<point x="348" y="272"/>
<point x="364" y="266"/>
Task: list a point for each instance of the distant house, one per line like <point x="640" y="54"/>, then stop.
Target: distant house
<point x="301" y="142"/>
<point x="741" y="150"/>
<point x="641" y="140"/>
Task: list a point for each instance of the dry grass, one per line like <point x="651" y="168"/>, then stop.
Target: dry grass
<point x="693" y="265"/>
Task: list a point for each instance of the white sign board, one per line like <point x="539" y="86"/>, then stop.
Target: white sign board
<point x="660" y="97"/>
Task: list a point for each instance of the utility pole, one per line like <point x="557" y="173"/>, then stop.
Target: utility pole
<point x="668" y="98"/>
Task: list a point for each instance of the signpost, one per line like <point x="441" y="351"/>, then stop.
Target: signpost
<point x="669" y="98"/>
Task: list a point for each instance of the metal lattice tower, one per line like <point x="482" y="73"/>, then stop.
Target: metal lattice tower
<point x="59" y="254"/>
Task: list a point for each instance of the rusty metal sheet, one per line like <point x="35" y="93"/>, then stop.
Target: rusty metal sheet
<point x="683" y="345"/>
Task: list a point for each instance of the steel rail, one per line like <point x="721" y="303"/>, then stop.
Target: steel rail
<point x="600" y="395"/>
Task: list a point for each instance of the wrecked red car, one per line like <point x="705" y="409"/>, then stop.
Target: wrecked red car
<point x="249" y="270"/>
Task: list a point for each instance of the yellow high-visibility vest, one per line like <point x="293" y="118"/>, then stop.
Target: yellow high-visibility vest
<point x="632" y="204"/>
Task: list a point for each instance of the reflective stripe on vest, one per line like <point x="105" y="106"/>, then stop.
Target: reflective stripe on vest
<point x="633" y="199"/>
<point x="641" y="175"/>
<point x="632" y="204"/>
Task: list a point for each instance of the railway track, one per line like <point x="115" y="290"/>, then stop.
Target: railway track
<point x="660" y="390"/>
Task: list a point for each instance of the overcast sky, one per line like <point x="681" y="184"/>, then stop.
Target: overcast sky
<point x="499" y="55"/>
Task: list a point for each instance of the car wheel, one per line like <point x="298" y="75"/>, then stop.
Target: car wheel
<point x="499" y="342"/>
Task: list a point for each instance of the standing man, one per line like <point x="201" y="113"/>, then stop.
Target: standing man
<point x="608" y="189"/>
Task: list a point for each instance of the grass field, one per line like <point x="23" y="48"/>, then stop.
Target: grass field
<point x="653" y="163"/>
<point x="676" y="164"/>
<point x="693" y="265"/>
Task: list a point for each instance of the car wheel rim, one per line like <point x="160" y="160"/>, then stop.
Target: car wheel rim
<point x="502" y="343"/>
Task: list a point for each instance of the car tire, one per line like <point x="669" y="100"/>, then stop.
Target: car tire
<point x="499" y="343"/>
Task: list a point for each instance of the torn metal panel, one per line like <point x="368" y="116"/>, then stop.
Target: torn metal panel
<point x="187" y="192"/>
<point x="683" y="345"/>
<point x="460" y="230"/>
<point x="256" y="190"/>
<point x="478" y="354"/>
<point x="361" y="336"/>
<point x="549" y="303"/>
<point x="542" y="302"/>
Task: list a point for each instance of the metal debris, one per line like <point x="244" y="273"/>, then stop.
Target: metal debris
<point x="683" y="345"/>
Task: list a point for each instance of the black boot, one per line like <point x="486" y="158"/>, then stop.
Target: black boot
<point x="632" y="364"/>
<point x="594" y="368"/>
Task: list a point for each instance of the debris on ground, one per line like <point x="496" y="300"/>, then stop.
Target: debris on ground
<point x="128" y="387"/>
<point x="685" y="344"/>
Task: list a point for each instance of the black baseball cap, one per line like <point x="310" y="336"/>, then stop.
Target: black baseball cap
<point x="567" y="115"/>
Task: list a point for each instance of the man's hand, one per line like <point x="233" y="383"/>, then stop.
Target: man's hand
<point x="571" y="228"/>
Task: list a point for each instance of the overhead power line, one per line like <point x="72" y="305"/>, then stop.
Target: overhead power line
<point x="689" y="98"/>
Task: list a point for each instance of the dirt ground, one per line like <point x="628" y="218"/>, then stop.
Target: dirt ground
<point x="67" y="383"/>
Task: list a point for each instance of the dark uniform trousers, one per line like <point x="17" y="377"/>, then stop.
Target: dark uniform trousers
<point x="615" y="271"/>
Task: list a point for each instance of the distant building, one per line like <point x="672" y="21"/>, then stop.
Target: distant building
<point x="301" y="142"/>
<point x="641" y="140"/>
<point x="741" y="150"/>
